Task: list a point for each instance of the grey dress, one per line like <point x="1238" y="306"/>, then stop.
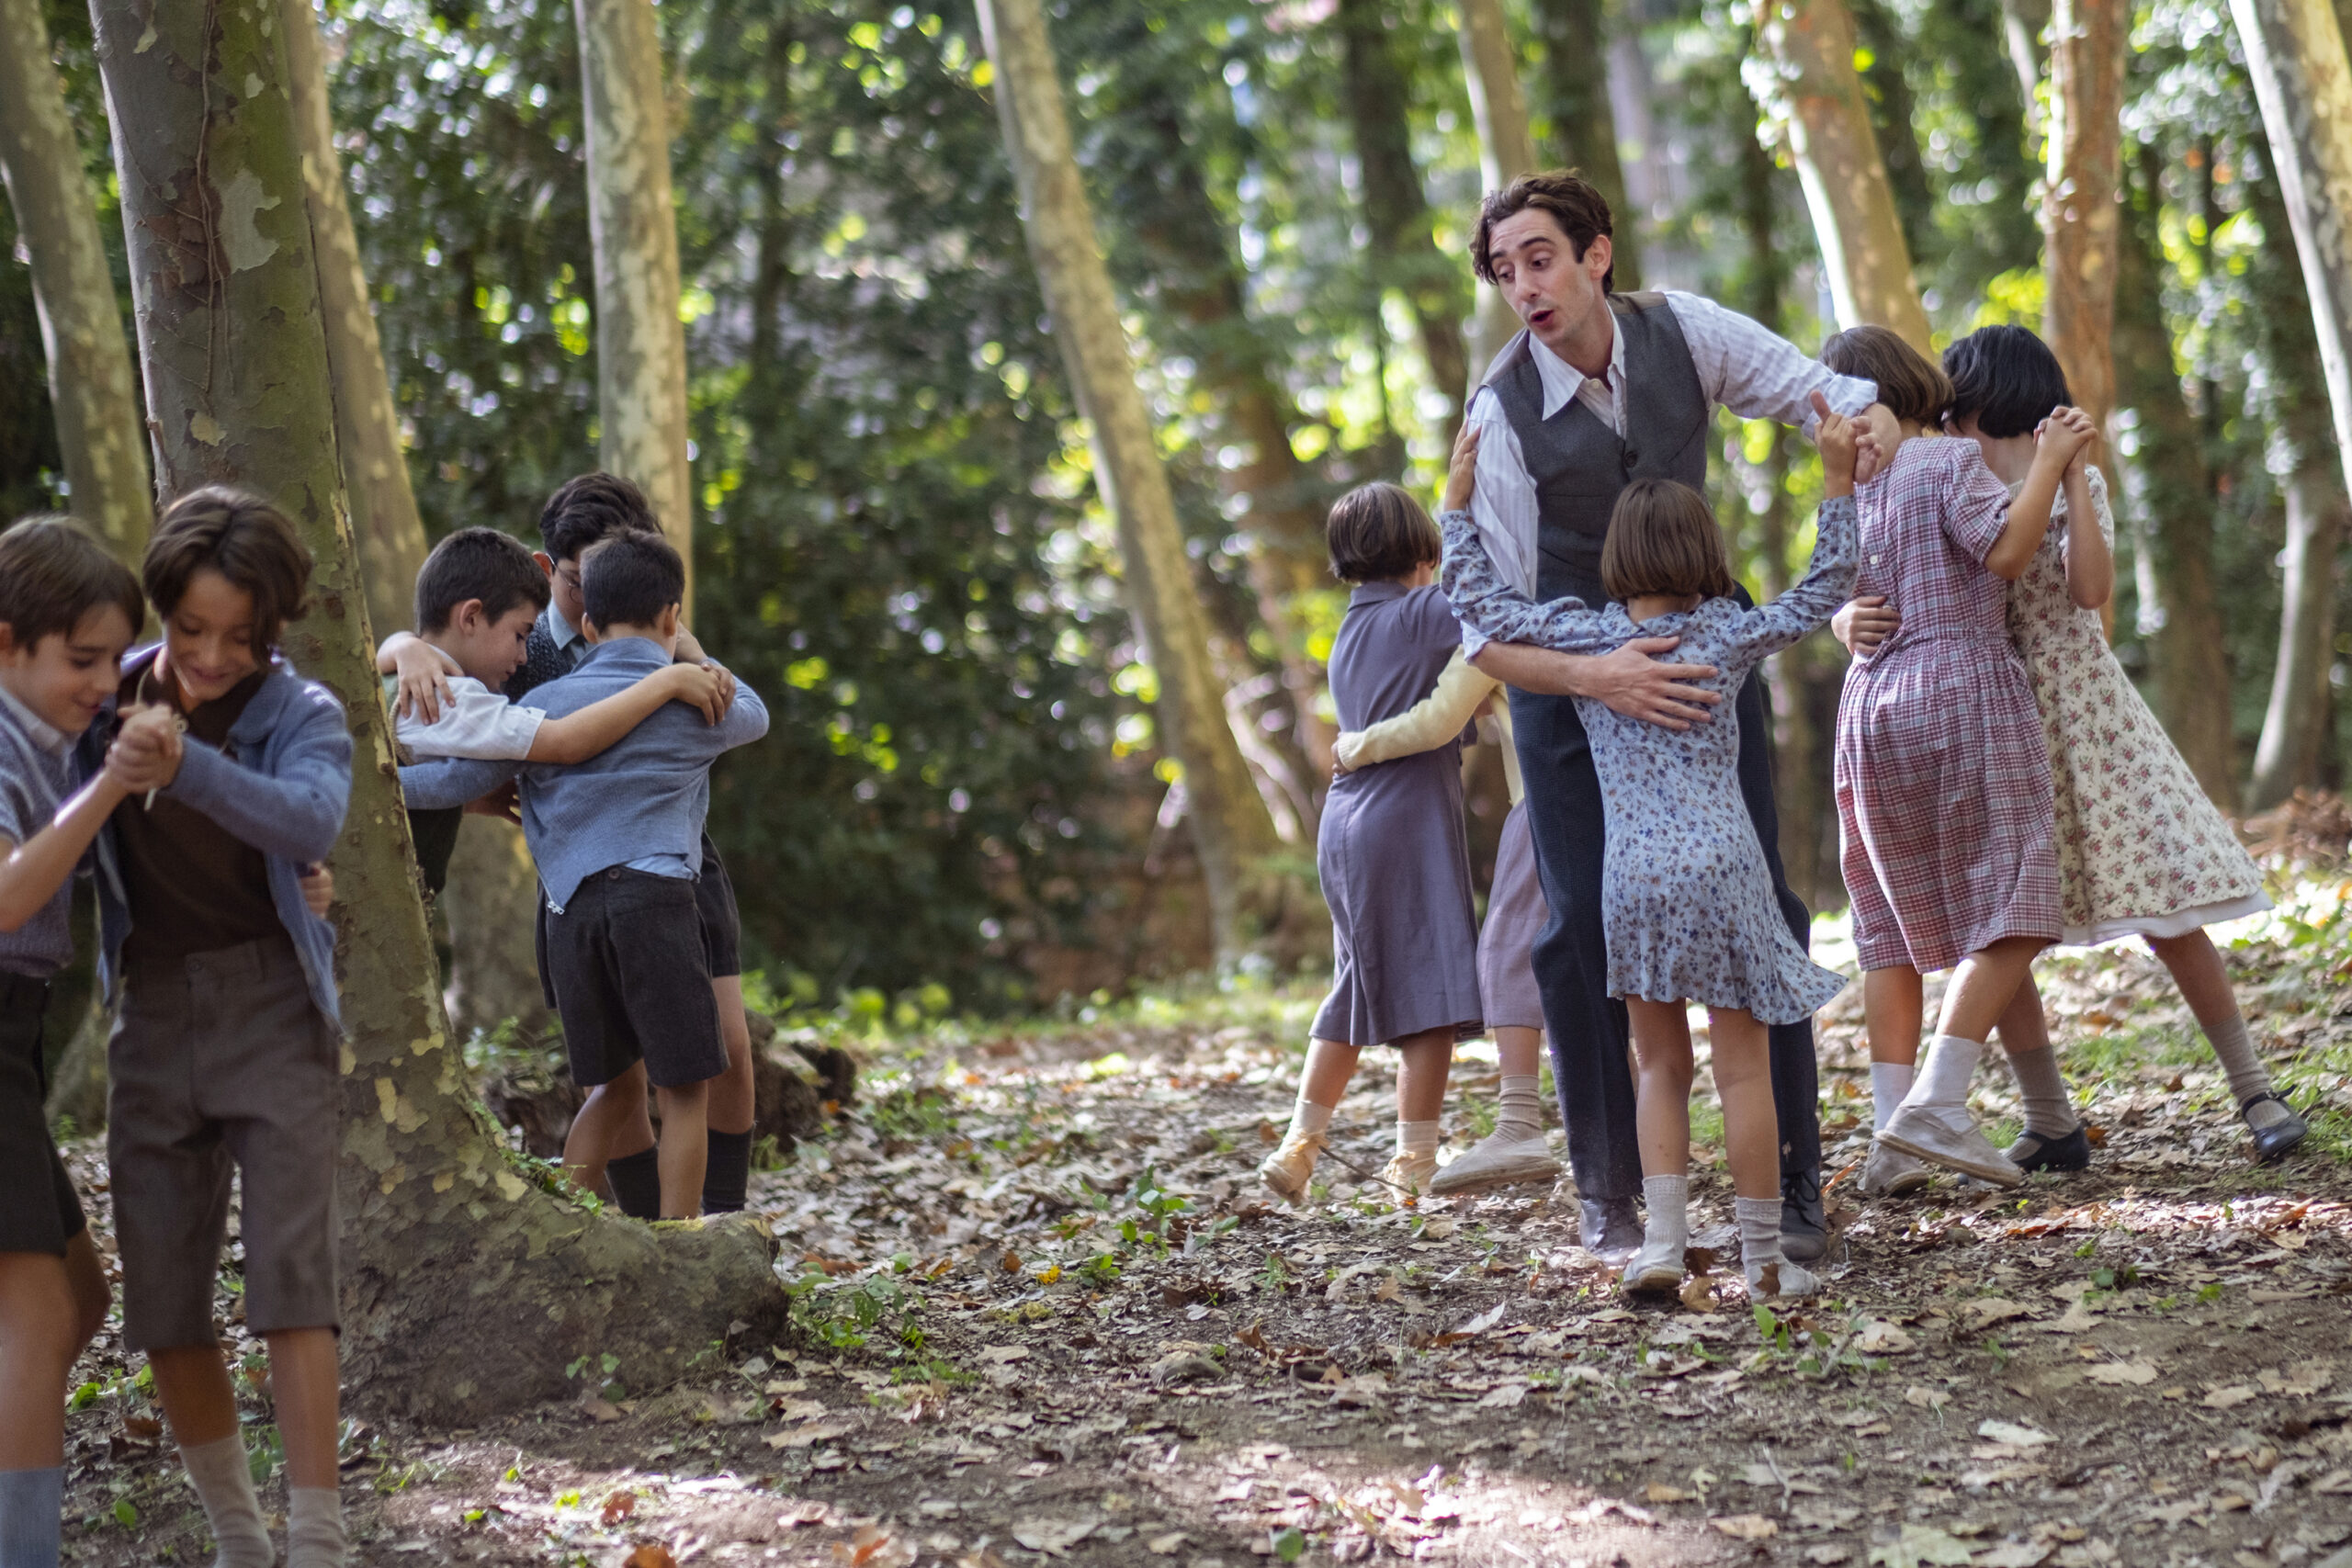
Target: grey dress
<point x="1394" y="867"/>
<point x="1687" y="901"/>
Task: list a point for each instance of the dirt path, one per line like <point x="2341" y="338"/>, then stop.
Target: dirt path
<point x="1047" y="1317"/>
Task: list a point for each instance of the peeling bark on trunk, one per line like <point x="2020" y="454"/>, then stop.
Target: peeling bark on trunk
<point x="640" y="346"/>
<point x="2080" y="216"/>
<point x="81" y="325"/>
<point x="375" y="471"/>
<point x="1573" y="91"/>
<point x="2170" y="496"/>
<point x="1506" y="148"/>
<point x="1395" y="208"/>
<point x="466" y="1289"/>
<point x="1806" y="80"/>
<point x="1230" y="827"/>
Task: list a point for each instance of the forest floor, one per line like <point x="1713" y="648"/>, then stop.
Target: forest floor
<point x="1046" y="1315"/>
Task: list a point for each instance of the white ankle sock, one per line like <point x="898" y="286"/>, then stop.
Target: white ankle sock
<point x="314" y="1527"/>
<point x="1416" y="1138"/>
<point x="223" y="1479"/>
<point x="1941" y="1087"/>
<point x="2043" y="1090"/>
<point x="1307" y="1118"/>
<point x="1669" y="1224"/>
<point x="1520" y="1115"/>
<point x="1759" y="1234"/>
<point x="1890" y="1082"/>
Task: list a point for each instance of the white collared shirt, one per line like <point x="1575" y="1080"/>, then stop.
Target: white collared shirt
<point x="1743" y="365"/>
<point x="43" y="733"/>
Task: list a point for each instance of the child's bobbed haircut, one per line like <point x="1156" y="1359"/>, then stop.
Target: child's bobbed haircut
<point x="1378" y="533"/>
<point x="478" y="563"/>
<point x="591" y="507"/>
<point x="52" y="574"/>
<point x="1912" y="386"/>
<point x="244" y="539"/>
<point x="630" y="578"/>
<point x="1663" y="540"/>
<point x="2006" y="379"/>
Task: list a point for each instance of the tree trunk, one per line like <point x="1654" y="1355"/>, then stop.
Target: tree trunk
<point x="1403" y="252"/>
<point x="1230" y="827"/>
<point x="2303" y="701"/>
<point x="1809" y="86"/>
<point x="2021" y="25"/>
<point x="2171" y="498"/>
<point x="1573" y="91"/>
<point x="1505" y="147"/>
<point x="466" y="1289"/>
<point x="640" y="346"/>
<point x="375" y="471"/>
<point x="2088" y="40"/>
<point x="492" y="905"/>
<point x="81" y="325"/>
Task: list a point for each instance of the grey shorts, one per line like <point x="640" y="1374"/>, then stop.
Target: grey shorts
<point x="221" y="1063"/>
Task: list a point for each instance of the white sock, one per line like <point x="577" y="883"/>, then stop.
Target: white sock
<point x="1759" y="1235"/>
<point x="2234" y="1049"/>
<point x="313" y="1527"/>
<point x="223" y="1479"/>
<point x="2048" y="1112"/>
<point x="1521" y="1116"/>
<point x="1668" y="1228"/>
<point x="1417" y="1139"/>
<point x="1941" y="1087"/>
<point x="1306" y="1118"/>
<point x="1890" y="1082"/>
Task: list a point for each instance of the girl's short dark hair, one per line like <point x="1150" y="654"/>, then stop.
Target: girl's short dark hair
<point x="1378" y="533"/>
<point x="52" y="574"/>
<point x="629" y="578"/>
<point x="478" y="563"/>
<point x="2006" y="379"/>
<point x="1912" y="386"/>
<point x="1662" y="539"/>
<point x="244" y="539"/>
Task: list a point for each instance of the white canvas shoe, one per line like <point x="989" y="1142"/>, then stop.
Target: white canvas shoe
<point x="1656" y="1270"/>
<point x="1497" y="1161"/>
<point x="1409" y="1175"/>
<point x="1888" y="1172"/>
<point x="1285" y="1172"/>
<point x="1914" y="1130"/>
<point x="1779" y="1281"/>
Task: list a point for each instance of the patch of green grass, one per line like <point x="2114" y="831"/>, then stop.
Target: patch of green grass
<point x="1707" y="1123"/>
<point x="2120" y="1052"/>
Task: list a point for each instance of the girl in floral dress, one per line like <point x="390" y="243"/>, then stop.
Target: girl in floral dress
<point x="1944" y="797"/>
<point x="1687" y="902"/>
<point x="2142" y="851"/>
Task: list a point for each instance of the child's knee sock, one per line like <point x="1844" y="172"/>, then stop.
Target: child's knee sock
<point x="1890" y="1084"/>
<point x="314" y="1527"/>
<point x="1520" y="1115"/>
<point x="1417" y="1140"/>
<point x="1308" y="1120"/>
<point x="1941" y="1086"/>
<point x="2048" y="1112"/>
<point x="223" y="1479"/>
<point x="2234" y="1049"/>
<point x="1759" y="1236"/>
<point x="726" y="1177"/>
<point x="29" y="1501"/>
<point x="636" y="1180"/>
<point x="1668" y="1229"/>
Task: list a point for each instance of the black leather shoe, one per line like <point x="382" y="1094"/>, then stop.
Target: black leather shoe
<point x="2276" y="1140"/>
<point x="1610" y="1228"/>
<point x="2034" y="1152"/>
<point x="1804" y="1228"/>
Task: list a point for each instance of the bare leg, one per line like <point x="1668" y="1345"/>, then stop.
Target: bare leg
<point x="192" y="1383"/>
<point x="2204" y="982"/>
<point x="306" y="1384"/>
<point x="1520" y="1050"/>
<point x="1330" y="1066"/>
<point x="1322" y="1083"/>
<point x="1424" y="1061"/>
<point x="606" y="1129"/>
<point x="685" y="1147"/>
<point x="1984" y="986"/>
<point x="1891" y="1014"/>
<point x="2196" y="969"/>
<point x="732" y="1105"/>
<point x="40" y="1336"/>
<point x="1933" y="1123"/>
<point x="1743" y="1071"/>
<point x="1663" y="1074"/>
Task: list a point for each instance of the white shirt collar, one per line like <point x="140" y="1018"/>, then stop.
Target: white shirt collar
<point x="1562" y="382"/>
<point x="45" y="735"/>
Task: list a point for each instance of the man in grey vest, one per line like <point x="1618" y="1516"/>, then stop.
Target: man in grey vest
<point x="1598" y="389"/>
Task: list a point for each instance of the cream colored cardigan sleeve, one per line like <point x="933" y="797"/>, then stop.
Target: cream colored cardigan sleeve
<point x="1427" y="725"/>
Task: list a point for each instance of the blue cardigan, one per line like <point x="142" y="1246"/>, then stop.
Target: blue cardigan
<point x="284" y="791"/>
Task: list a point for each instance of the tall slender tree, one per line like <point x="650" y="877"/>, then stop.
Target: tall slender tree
<point x="80" y="325"/>
<point x="640" y="344"/>
<point x="1804" y="80"/>
<point x="1506" y="145"/>
<point x="2088" y="42"/>
<point x="1572" y="92"/>
<point x="467" y="1288"/>
<point x="1231" y="830"/>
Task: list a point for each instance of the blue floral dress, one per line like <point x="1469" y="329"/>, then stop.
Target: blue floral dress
<point x="1686" y="900"/>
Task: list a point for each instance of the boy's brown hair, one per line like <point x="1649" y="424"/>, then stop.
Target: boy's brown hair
<point x="1574" y="204"/>
<point x="52" y="574"/>
<point x="1662" y="539"/>
<point x="1378" y="533"/>
<point x="1912" y="386"/>
<point x="242" y="537"/>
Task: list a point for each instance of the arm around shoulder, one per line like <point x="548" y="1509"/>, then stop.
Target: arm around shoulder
<point x="453" y="782"/>
<point x="1428" y="724"/>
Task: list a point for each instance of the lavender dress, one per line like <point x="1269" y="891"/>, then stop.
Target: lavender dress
<point x="1686" y="903"/>
<point x="1394" y="867"/>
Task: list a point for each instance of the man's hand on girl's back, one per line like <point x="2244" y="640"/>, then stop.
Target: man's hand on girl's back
<point x="1631" y="680"/>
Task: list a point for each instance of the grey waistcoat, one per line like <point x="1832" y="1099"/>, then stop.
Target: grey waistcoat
<point x="1579" y="464"/>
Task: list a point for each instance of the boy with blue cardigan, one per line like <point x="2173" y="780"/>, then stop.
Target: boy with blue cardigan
<point x="617" y="839"/>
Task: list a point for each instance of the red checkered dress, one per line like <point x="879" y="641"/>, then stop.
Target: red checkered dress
<point x="1948" y="832"/>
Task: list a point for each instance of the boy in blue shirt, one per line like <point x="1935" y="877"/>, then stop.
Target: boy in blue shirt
<point x="618" y="843"/>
